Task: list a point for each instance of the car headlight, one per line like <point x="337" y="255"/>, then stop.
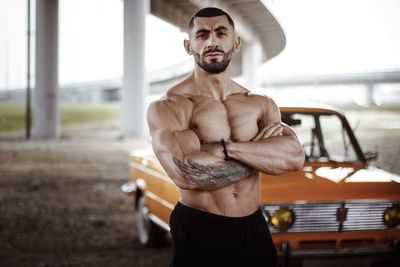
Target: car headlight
<point x="283" y="219"/>
<point x="391" y="216"/>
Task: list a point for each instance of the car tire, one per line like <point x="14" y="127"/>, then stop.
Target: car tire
<point x="149" y="233"/>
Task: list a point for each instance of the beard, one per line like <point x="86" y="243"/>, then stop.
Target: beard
<point x="213" y="67"/>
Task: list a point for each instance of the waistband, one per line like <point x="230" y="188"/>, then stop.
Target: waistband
<point x="216" y="217"/>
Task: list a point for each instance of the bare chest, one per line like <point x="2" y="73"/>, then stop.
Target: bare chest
<point x="234" y="119"/>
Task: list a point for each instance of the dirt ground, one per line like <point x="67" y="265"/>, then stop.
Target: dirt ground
<point x="61" y="203"/>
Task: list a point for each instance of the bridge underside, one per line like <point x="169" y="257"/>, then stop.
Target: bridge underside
<point x="253" y="22"/>
<point x="262" y="38"/>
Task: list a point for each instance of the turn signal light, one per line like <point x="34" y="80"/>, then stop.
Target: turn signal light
<point x="391" y="216"/>
<point x="283" y="219"/>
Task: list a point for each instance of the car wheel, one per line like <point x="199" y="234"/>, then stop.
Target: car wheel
<point x="149" y="233"/>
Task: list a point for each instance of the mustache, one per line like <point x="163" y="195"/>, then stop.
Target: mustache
<point x="213" y="51"/>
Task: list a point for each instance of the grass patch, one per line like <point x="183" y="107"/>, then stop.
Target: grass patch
<point x="12" y="116"/>
<point x="80" y="114"/>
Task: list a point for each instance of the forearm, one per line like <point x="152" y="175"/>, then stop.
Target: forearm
<point x="212" y="176"/>
<point x="274" y="155"/>
<point x="192" y="167"/>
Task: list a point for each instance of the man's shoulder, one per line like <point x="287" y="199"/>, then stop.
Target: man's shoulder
<point x="264" y="99"/>
<point x="175" y="101"/>
<point x="261" y="98"/>
<point x="172" y="111"/>
<point x="170" y="103"/>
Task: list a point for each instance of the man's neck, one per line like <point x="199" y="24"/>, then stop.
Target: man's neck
<point x="218" y="86"/>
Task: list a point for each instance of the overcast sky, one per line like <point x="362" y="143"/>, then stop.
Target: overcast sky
<point x="324" y="36"/>
<point x="338" y="36"/>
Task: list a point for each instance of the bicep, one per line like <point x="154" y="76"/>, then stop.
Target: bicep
<point x="170" y="146"/>
<point x="165" y="115"/>
<point x="171" y="139"/>
<point x="178" y="143"/>
<point x="269" y="112"/>
<point x="168" y="127"/>
<point x="271" y="115"/>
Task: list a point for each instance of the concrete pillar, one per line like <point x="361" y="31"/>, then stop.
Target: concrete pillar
<point x="135" y="88"/>
<point x="46" y="117"/>
<point x="370" y="98"/>
<point x="251" y="60"/>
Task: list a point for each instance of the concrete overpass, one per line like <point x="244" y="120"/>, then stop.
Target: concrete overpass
<point x="106" y="91"/>
<point x="258" y="28"/>
<point x="369" y="79"/>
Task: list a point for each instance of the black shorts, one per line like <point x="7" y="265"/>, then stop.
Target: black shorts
<point x="203" y="239"/>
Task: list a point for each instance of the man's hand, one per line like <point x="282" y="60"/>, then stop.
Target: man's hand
<point x="271" y="130"/>
<point x="270" y="155"/>
<point x="214" y="149"/>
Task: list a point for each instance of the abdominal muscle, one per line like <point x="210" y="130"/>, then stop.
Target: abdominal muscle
<point x="237" y="200"/>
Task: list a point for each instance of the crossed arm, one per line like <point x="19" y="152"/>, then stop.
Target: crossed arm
<point x="275" y="149"/>
<point x="180" y="154"/>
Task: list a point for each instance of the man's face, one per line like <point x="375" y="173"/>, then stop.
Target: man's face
<point x="212" y="43"/>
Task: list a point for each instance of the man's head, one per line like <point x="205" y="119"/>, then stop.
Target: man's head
<point x="209" y="12"/>
<point x="212" y="39"/>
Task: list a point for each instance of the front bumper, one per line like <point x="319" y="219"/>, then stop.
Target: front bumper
<point x="287" y="254"/>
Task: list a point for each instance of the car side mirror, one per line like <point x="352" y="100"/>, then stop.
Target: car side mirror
<point x="371" y="156"/>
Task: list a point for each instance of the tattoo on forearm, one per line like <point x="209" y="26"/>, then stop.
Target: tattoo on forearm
<point x="211" y="177"/>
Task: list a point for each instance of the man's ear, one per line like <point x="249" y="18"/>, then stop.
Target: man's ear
<point x="188" y="47"/>
<point x="237" y="44"/>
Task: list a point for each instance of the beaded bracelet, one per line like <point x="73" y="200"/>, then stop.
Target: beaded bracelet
<point x="222" y="142"/>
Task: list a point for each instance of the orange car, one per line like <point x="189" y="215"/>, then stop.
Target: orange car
<point x="337" y="205"/>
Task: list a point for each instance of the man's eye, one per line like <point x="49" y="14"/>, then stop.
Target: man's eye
<point x="221" y="33"/>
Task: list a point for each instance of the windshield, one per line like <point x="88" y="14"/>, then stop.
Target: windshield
<point x="323" y="136"/>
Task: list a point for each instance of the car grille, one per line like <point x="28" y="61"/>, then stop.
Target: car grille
<point x="323" y="217"/>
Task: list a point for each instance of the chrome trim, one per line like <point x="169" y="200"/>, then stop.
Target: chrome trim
<point x="160" y="200"/>
<point x="310" y="253"/>
<point x="140" y="183"/>
<point x="322" y="217"/>
<point x="150" y="171"/>
<point x="159" y="222"/>
<point x="155" y="218"/>
<point x="128" y="188"/>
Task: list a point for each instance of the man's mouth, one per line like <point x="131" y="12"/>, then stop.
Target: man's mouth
<point x="213" y="54"/>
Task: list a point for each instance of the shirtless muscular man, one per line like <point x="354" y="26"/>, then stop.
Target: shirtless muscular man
<point x="213" y="138"/>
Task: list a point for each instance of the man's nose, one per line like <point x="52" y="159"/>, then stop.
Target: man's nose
<point x="212" y="41"/>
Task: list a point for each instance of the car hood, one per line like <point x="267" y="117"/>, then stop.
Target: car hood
<point x="315" y="182"/>
<point x="330" y="183"/>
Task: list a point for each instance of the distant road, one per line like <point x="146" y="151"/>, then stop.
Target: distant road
<point x="378" y="77"/>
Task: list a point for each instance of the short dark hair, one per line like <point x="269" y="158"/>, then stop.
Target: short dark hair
<point x="209" y="12"/>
